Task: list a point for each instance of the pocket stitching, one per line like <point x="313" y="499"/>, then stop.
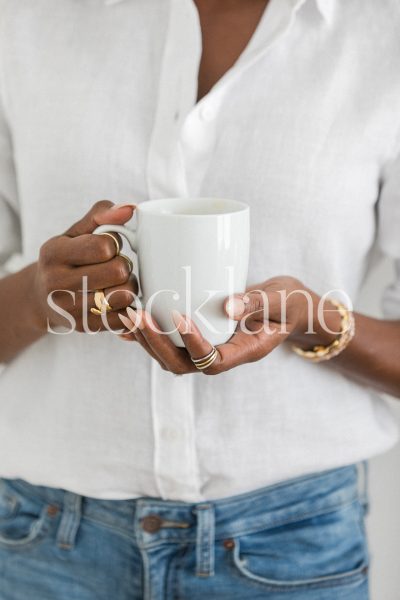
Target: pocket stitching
<point x="36" y="533"/>
<point x="12" y="507"/>
<point x="352" y="576"/>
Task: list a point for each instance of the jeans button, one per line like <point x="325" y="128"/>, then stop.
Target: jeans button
<point x="52" y="510"/>
<point x="151" y="523"/>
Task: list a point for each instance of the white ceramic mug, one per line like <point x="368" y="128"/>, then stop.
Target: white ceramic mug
<point x="192" y="254"/>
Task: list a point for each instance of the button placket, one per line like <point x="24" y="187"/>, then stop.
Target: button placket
<point x="177" y="95"/>
<point x="175" y="461"/>
<point x="175" y="456"/>
<point x="198" y="133"/>
<point x="207" y="113"/>
<point x="171" y="158"/>
<point x="198" y="138"/>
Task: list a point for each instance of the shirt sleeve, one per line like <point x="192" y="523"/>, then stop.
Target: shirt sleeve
<point x="10" y="231"/>
<point x="389" y="234"/>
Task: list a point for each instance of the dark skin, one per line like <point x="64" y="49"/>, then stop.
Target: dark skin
<point x="227" y="27"/>
<point x="372" y="357"/>
<point x="63" y="261"/>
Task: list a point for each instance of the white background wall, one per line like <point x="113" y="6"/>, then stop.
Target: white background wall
<point x="384" y="518"/>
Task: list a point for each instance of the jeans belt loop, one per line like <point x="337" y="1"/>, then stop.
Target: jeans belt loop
<point x="70" y="520"/>
<point x="205" y="540"/>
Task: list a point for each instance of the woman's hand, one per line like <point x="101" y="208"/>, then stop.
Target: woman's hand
<point x="66" y="259"/>
<point x="262" y="326"/>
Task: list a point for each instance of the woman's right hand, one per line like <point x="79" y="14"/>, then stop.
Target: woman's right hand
<point x="66" y="259"/>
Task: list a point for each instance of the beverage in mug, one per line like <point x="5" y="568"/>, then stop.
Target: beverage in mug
<point x="192" y="253"/>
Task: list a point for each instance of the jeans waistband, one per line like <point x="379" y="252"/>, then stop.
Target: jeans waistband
<point x="151" y="521"/>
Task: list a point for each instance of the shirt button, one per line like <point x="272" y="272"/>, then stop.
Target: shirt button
<point x="151" y="523"/>
<point x="207" y="113"/>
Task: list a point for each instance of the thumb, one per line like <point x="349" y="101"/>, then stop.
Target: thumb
<point x="101" y="213"/>
<point x="249" y="303"/>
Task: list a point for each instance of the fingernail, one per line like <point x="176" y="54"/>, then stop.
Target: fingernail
<point x="137" y="316"/>
<point x="235" y="307"/>
<point x="124" y="337"/>
<point x="118" y="206"/>
<point x="130" y="325"/>
<point x="180" y="321"/>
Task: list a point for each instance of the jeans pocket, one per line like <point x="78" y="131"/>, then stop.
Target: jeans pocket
<point x="24" y="521"/>
<point x="324" y="550"/>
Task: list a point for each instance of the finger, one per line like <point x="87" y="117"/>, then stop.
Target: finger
<point x="196" y="345"/>
<point x="86" y="249"/>
<point x="243" y="347"/>
<point x="114" y="272"/>
<point x="131" y="327"/>
<point x="129" y="334"/>
<point x="246" y="347"/>
<point x="107" y="322"/>
<point x="116" y="215"/>
<point x="175" y="359"/>
<point x="253" y="302"/>
<point x="127" y="337"/>
<point x="146" y="346"/>
<point x="101" y="213"/>
<point x="118" y="297"/>
<point x="131" y="323"/>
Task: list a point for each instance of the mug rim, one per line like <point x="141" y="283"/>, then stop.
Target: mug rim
<point x="234" y="207"/>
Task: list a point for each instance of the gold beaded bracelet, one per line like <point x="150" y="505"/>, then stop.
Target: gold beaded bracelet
<point x="347" y="330"/>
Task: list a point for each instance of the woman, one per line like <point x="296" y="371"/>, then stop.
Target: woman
<point x="120" y="479"/>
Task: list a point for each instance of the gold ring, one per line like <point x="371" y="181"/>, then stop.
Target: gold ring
<point x="206" y="361"/>
<point x="117" y="246"/>
<point x="102" y="305"/>
<point x="128" y="260"/>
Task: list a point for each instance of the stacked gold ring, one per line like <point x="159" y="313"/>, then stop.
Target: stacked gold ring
<point x="114" y="239"/>
<point x="128" y="260"/>
<point x="101" y="302"/>
<point x="205" y="361"/>
<point x="118" y="249"/>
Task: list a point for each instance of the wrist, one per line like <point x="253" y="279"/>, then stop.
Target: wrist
<point x="319" y="322"/>
<point x="35" y="315"/>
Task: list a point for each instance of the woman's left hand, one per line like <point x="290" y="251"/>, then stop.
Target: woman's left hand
<point x="260" y="328"/>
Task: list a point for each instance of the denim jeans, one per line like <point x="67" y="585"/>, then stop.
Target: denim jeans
<point x="303" y="539"/>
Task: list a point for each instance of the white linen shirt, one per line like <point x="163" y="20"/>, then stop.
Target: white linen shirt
<point x="98" y="100"/>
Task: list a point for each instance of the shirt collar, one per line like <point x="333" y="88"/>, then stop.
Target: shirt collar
<point x="324" y="6"/>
